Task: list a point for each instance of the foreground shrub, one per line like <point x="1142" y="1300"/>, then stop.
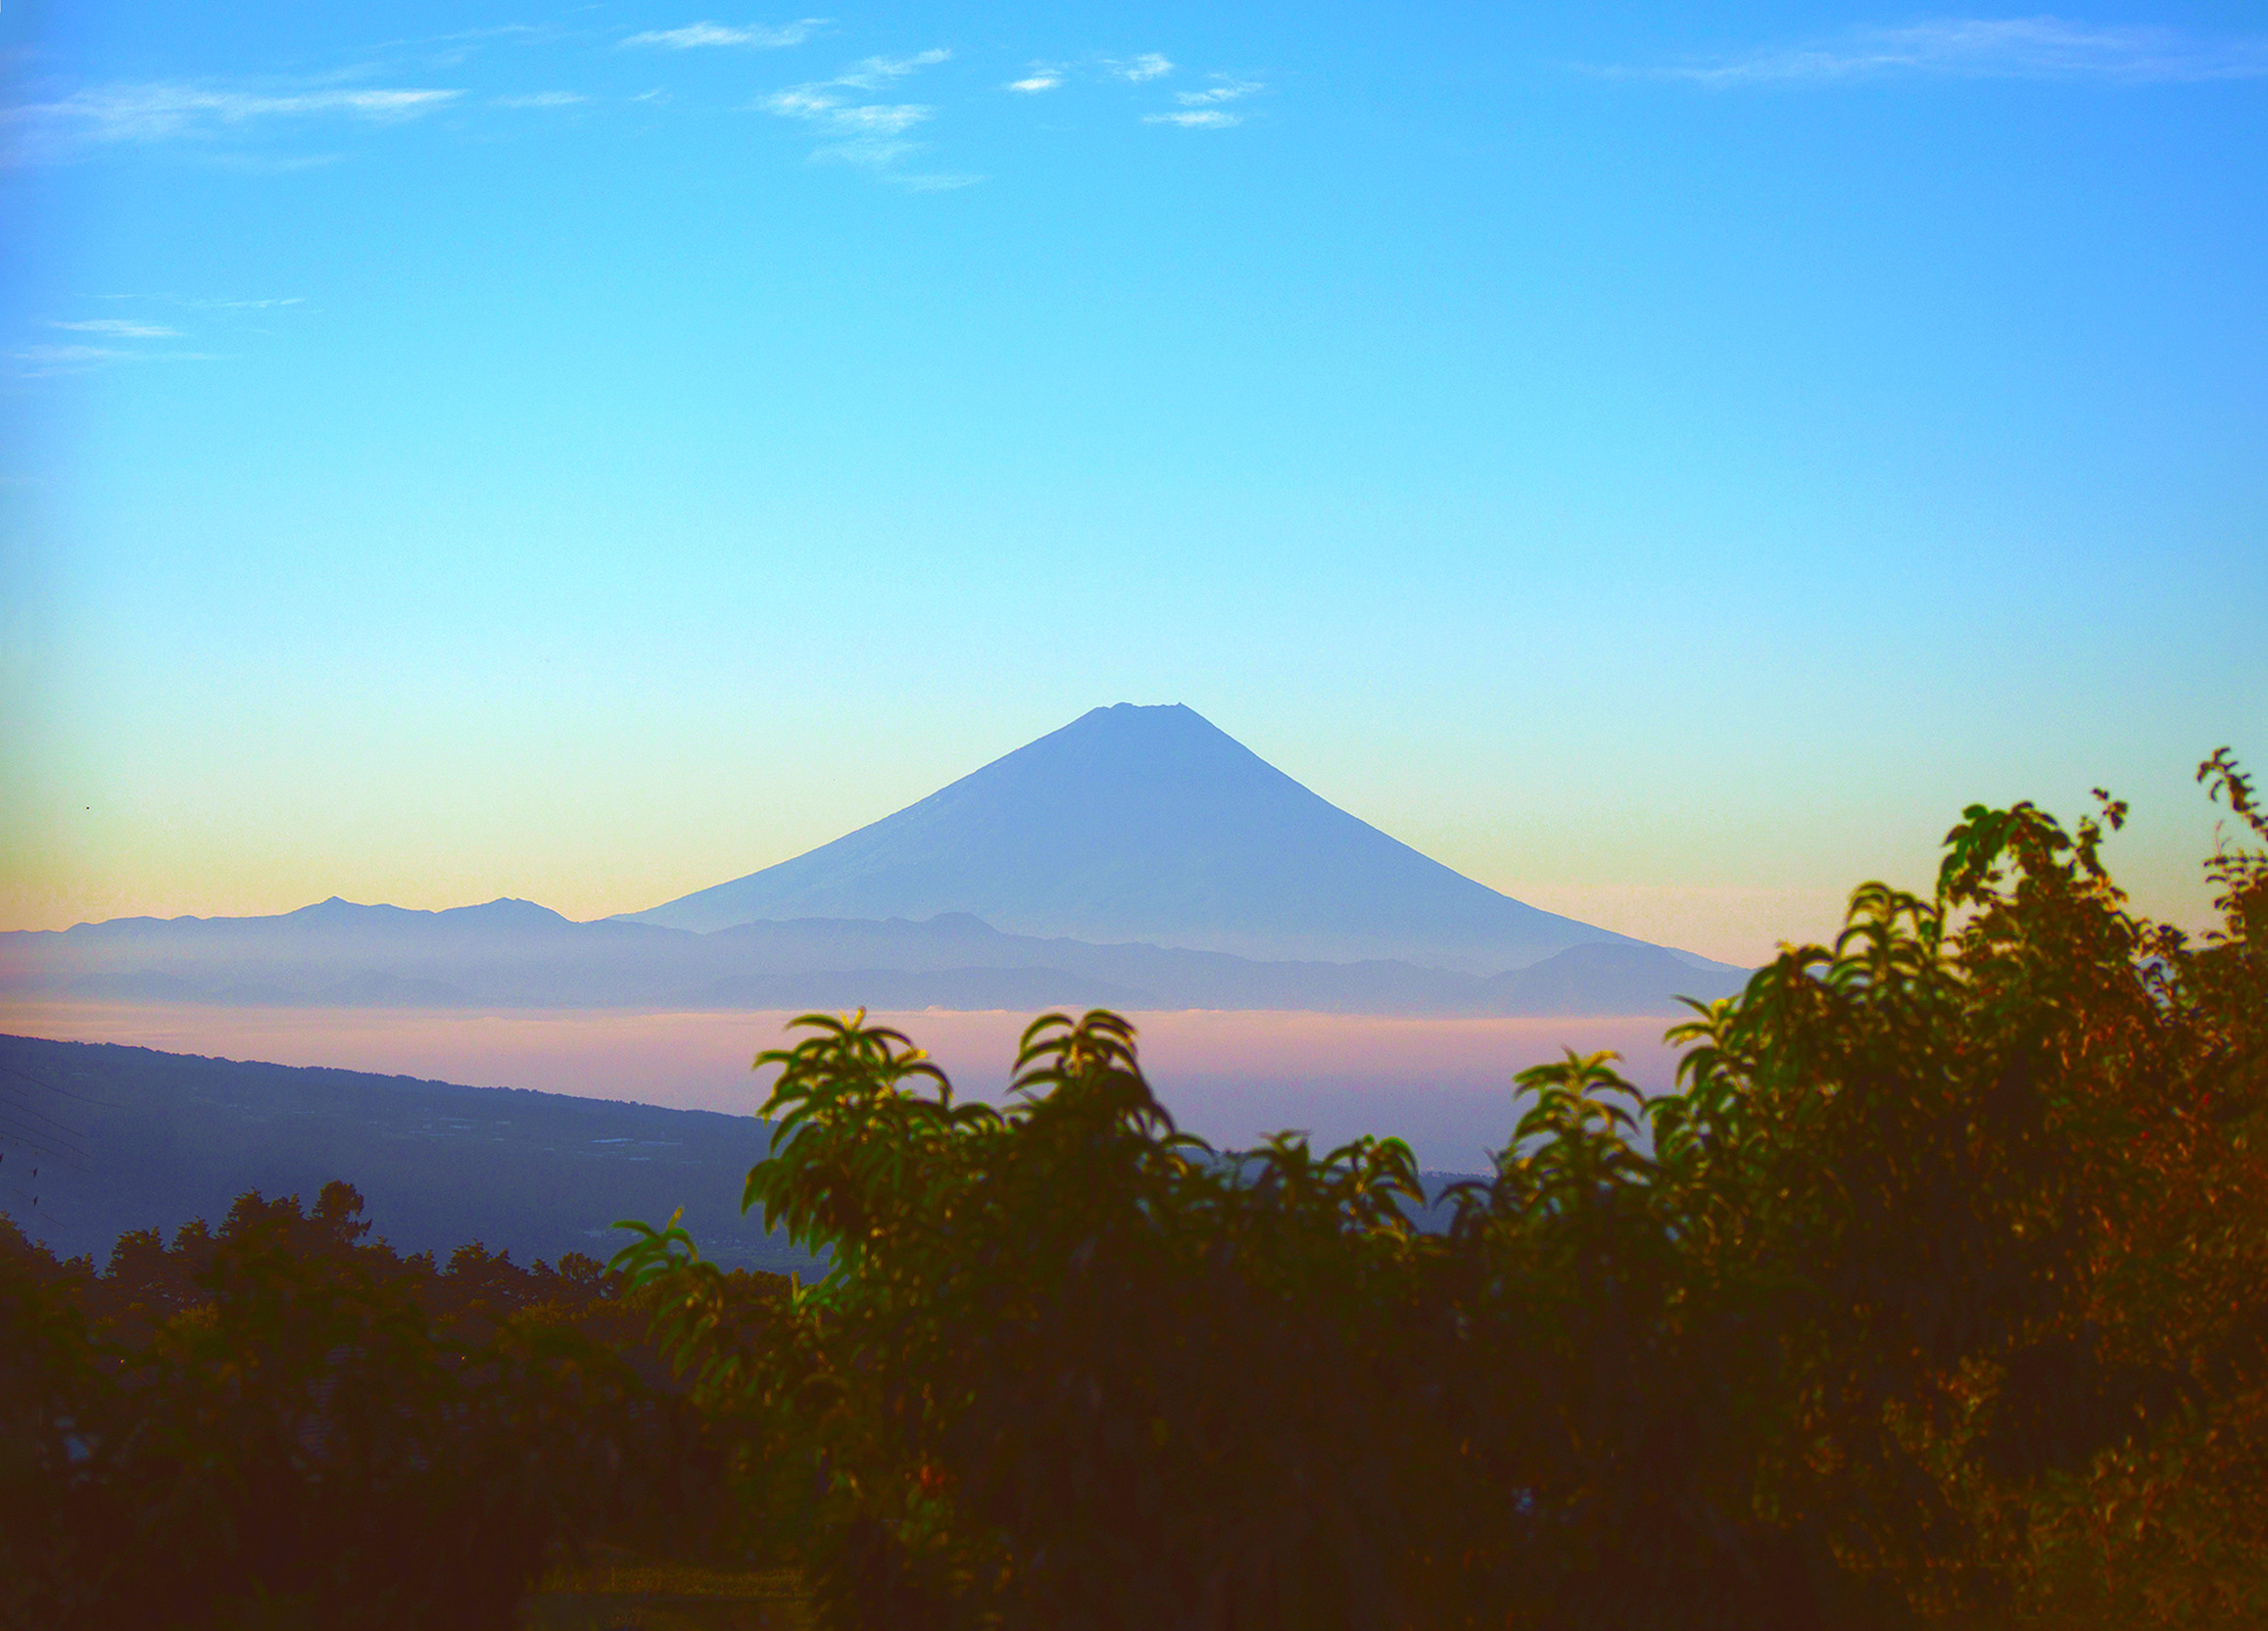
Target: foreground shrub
<point x="276" y="1425"/>
<point x="1946" y="1263"/>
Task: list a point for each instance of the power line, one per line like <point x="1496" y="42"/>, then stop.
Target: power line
<point x="53" y="1155"/>
<point x="53" y="1088"/>
<point x="83" y="1155"/>
<point x="37" y="1209"/>
<point x="64" y="1126"/>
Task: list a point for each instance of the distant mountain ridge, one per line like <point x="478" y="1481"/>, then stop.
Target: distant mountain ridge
<point x="1136" y="858"/>
<point x="1148" y="824"/>
<point x="376" y="956"/>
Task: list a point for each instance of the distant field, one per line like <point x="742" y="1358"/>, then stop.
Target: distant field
<point x="1230" y="1075"/>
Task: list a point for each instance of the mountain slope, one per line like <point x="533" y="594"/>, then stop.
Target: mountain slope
<point x="140" y="1139"/>
<point x="1148" y="824"/>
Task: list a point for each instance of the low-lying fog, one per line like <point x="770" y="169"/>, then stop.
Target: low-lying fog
<point x="1232" y="1076"/>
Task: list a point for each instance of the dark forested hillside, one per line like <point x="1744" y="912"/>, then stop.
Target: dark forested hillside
<point x="97" y="1140"/>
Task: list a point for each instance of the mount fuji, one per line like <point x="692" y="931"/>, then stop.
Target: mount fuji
<point x="1152" y="825"/>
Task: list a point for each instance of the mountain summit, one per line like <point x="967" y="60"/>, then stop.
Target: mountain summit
<point x="1148" y="824"/>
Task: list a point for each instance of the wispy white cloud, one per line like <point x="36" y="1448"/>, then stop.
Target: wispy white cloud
<point x="934" y="184"/>
<point x="1150" y="65"/>
<point x="461" y="45"/>
<point x="41" y="362"/>
<point x="1142" y="69"/>
<point x="695" y="36"/>
<point x="799" y="102"/>
<point x="870" y="134"/>
<point x="880" y="71"/>
<point x="1984" y="48"/>
<point x="245" y="304"/>
<point x="271" y="163"/>
<point x="859" y="133"/>
<point x="541" y="99"/>
<point x="876" y="120"/>
<point x="207" y="305"/>
<point x="152" y="112"/>
<point x="120" y="328"/>
<point x="1225" y="90"/>
<point x="80" y="355"/>
<point x="874" y="152"/>
<point x="461" y="36"/>
<point x="1200" y="118"/>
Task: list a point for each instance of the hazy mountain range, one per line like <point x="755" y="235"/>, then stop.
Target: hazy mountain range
<point x="1136" y="858"/>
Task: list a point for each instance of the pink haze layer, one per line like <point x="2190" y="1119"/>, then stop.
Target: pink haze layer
<point x="1230" y="1075"/>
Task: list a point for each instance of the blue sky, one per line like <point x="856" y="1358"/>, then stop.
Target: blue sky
<point x="1661" y="462"/>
